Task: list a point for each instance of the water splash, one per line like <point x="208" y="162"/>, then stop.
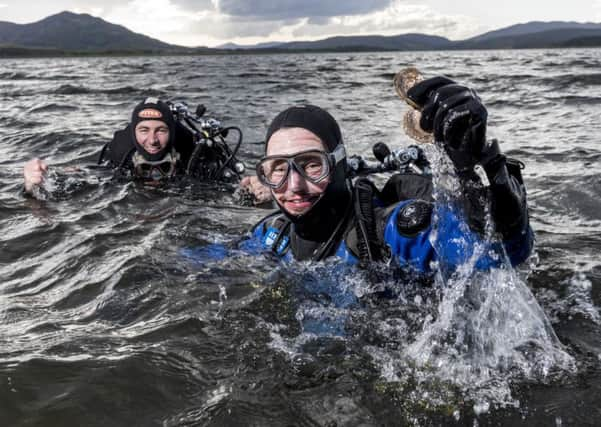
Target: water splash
<point x="489" y="329"/>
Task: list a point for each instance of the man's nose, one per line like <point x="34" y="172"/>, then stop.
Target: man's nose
<point x="295" y="180"/>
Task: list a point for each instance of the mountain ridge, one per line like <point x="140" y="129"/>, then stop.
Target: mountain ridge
<point x="68" y="33"/>
<point x="71" y="32"/>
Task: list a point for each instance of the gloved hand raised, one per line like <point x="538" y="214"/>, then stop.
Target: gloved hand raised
<point x="456" y="117"/>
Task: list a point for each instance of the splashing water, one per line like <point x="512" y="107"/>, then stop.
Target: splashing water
<point x="470" y="336"/>
<point x="489" y="329"/>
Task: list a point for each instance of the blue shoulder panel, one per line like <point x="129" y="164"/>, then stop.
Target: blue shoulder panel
<point x="416" y="251"/>
<point x="453" y="245"/>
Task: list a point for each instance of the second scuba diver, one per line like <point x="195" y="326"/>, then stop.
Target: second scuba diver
<point x="155" y="145"/>
<point x="323" y="213"/>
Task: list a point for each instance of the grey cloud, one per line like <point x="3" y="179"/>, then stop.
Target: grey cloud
<point x="235" y="27"/>
<point x="429" y="24"/>
<point x="318" y="20"/>
<point x="195" y="5"/>
<point x="282" y="9"/>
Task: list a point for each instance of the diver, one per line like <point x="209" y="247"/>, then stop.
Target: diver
<point x="323" y="213"/>
<point x="161" y="141"/>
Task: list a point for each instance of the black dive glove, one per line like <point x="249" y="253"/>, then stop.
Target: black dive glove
<point x="456" y="117"/>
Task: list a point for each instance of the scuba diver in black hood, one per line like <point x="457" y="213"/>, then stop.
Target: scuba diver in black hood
<point x="161" y="141"/>
<point x="323" y="213"/>
<point x="305" y="167"/>
<point x="146" y="147"/>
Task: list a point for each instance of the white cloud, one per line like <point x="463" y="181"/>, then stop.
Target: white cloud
<point x="398" y="18"/>
<point x="597" y="9"/>
<point x="94" y="11"/>
<point x="162" y="19"/>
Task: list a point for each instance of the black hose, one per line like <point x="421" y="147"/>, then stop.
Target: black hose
<point x="233" y="152"/>
<point x="366" y="231"/>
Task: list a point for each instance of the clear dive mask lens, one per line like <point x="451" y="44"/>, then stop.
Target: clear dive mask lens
<point x="313" y="165"/>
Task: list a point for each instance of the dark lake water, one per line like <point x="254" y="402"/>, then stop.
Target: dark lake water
<point x="109" y="317"/>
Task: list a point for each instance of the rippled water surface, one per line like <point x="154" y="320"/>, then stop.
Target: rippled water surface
<point x="111" y="314"/>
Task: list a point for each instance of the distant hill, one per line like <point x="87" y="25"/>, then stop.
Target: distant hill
<point x="537" y="40"/>
<point x="521" y="36"/>
<point x="267" y="45"/>
<point x="532" y="28"/>
<point x="68" y="31"/>
<point x="400" y="42"/>
<point x="594" y="41"/>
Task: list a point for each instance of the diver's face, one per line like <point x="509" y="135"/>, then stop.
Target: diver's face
<point x="152" y="135"/>
<point x="297" y="194"/>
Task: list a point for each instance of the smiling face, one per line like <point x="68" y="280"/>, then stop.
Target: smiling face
<point x="152" y="135"/>
<point x="297" y="194"/>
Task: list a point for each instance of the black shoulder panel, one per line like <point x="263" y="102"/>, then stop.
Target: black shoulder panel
<point x="119" y="147"/>
<point x="184" y="142"/>
<point x="406" y="186"/>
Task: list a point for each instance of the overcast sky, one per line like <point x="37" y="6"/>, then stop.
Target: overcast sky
<point x="212" y="22"/>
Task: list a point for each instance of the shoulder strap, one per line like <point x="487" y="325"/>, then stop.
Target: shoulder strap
<point x="367" y="242"/>
<point x="281" y="224"/>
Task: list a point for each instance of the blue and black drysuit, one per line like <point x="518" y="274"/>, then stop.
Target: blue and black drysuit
<point x="403" y="234"/>
<point x="402" y="226"/>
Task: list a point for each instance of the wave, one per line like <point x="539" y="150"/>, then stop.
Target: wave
<point x="72" y="90"/>
<point x="387" y="76"/>
<point x="578" y="100"/>
<point x="592" y="63"/>
<point x="16" y="75"/>
<point x="69" y="89"/>
<point x="565" y="81"/>
<point x="251" y="75"/>
<point x="52" y="107"/>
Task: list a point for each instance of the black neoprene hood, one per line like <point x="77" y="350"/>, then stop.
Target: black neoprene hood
<point x="311" y="118"/>
<point x="153" y="109"/>
<point x="323" y="216"/>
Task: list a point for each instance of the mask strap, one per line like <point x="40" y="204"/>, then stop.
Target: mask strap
<point x="338" y="154"/>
